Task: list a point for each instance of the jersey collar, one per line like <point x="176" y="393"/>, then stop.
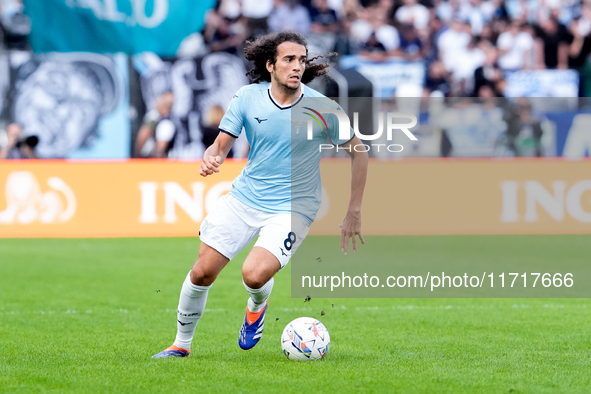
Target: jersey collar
<point x="288" y="106"/>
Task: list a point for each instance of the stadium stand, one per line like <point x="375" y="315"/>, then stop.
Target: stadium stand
<point x="487" y="50"/>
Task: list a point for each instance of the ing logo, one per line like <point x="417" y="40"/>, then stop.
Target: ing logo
<point x="26" y="203"/>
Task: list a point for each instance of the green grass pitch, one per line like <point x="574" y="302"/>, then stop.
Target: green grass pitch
<point x="85" y="315"/>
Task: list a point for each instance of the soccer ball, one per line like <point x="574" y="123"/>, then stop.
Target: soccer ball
<point x="305" y="339"/>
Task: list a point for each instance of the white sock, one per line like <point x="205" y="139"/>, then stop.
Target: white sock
<point x="191" y="307"/>
<point x="258" y="297"/>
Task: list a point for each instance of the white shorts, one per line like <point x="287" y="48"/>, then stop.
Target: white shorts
<point x="233" y="225"/>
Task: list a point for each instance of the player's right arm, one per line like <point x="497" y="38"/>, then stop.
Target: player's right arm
<point x="215" y="155"/>
<point x="230" y="128"/>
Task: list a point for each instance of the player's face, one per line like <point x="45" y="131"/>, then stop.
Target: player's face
<point x="290" y="65"/>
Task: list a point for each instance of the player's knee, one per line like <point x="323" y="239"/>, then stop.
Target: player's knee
<point x="201" y="277"/>
<point x="255" y="279"/>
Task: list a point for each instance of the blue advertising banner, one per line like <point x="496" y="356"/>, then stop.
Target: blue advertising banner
<point x="387" y="76"/>
<point x="573" y="139"/>
<point x="108" y="26"/>
<point x="542" y="83"/>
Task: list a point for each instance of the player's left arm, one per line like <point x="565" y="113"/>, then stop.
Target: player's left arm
<point x="351" y="227"/>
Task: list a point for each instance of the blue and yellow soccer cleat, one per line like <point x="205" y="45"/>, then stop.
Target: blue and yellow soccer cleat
<point x="252" y="328"/>
<point x="173" y="351"/>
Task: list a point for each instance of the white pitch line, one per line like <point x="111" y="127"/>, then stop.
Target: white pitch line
<point x="309" y="309"/>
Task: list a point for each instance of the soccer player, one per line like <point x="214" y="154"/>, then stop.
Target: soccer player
<point x="272" y="198"/>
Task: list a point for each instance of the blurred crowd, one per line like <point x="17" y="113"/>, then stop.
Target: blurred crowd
<point x="467" y="49"/>
<point x="467" y="45"/>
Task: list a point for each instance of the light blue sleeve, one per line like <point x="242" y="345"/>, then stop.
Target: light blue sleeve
<point x="333" y="129"/>
<point x="233" y="119"/>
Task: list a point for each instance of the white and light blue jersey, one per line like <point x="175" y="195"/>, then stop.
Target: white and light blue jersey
<point x="283" y="169"/>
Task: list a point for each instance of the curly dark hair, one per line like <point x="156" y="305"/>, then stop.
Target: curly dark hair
<point x="265" y="48"/>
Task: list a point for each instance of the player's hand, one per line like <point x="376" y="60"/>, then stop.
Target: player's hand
<point x="350" y="229"/>
<point x="210" y="165"/>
